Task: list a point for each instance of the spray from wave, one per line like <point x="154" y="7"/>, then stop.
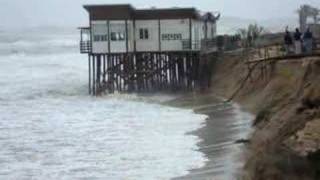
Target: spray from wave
<point x="51" y="129"/>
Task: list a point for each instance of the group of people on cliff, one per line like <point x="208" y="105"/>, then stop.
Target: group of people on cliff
<point x="298" y="43"/>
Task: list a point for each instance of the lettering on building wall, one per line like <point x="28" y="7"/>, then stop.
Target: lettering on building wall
<point x="168" y="37"/>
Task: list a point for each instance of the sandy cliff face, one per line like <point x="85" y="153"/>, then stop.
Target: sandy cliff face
<point x="285" y="96"/>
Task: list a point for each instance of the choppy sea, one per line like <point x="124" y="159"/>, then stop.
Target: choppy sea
<point x="50" y="128"/>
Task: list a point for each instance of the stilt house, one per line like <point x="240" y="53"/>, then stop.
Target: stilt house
<point x="144" y="49"/>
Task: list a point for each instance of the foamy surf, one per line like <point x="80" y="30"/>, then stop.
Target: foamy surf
<point x="51" y="129"/>
<point x="72" y="138"/>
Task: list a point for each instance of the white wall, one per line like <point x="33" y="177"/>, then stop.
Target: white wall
<point x="131" y="36"/>
<point x="173" y="32"/>
<point x="99" y="28"/>
<point x="151" y="44"/>
<point x="117" y="45"/>
<point x="177" y="27"/>
<point x="197" y="33"/>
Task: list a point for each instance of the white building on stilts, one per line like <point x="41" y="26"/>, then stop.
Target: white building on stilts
<point x="144" y="49"/>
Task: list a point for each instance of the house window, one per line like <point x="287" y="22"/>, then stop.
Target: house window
<point x="99" y="38"/>
<point x="118" y="36"/>
<point x="141" y="34"/>
<point x="113" y="36"/>
<point x="100" y="32"/>
<point x="96" y="38"/>
<point x="121" y="36"/>
<point x="144" y="33"/>
<point x="104" y="37"/>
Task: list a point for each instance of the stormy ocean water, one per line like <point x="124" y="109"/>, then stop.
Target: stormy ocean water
<point x="50" y="128"/>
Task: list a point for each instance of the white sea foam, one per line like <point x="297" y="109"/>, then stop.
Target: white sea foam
<point x="51" y="129"/>
<point x="47" y="42"/>
<point x="37" y="43"/>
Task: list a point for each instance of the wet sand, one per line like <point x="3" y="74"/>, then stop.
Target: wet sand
<point x="225" y="124"/>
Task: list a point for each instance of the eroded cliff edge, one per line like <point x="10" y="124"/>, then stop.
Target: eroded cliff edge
<point x="285" y="96"/>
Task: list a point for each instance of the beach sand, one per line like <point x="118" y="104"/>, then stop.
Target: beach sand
<point x="225" y="124"/>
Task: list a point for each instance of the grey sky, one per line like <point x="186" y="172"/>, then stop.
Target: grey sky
<point x="25" y="13"/>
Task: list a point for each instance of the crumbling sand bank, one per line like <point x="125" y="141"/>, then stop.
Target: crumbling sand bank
<point x="285" y="143"/>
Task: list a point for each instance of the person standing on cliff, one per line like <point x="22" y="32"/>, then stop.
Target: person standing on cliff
<point x="288" y="42"/>
<point x="297" y="41"/>
<point x="308" y="41"/>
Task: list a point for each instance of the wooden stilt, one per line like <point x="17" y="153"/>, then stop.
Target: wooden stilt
<point x="89" y="70"/>
<point x="104" y="68"/>
<point x="94" y="75"/>
<point x="98" y="75"/>
<point x="143" y="72"/>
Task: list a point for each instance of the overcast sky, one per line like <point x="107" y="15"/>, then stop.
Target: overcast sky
<point x="26" y="13"/>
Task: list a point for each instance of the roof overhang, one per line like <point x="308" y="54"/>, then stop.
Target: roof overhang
<point x="112" y="12"/>
<point x="126" y="11"/>
<point x="170" y="13"/>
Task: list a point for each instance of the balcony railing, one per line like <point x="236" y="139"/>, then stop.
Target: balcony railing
<point x="85" y="47"/>
<point x="85" y="40"/>
<point x="188" y="45"/>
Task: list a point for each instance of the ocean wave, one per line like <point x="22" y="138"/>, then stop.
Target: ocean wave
<point x="37" y="43"/>
<point x="41" y="43"/>
<point x="48" y="46"/>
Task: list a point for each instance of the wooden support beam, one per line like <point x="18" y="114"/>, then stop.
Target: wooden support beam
<point x="104" y="69"/>
<point x="89" y="71"/>
<point x="108" y="72"/>
<point x="144" y="72"/>
<point x="112" y="73"/>
<point x="166" y="67"/>
<point x="94" y="74"/>
<point x="98" y="75"/>
<point x="118" y="73"/>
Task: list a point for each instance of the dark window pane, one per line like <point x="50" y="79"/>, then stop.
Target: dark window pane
<point x="105" y="37"/>
<point x="113" y="36"/>
<point x="96" y="38"/>
<point x="146" y="34"/>
<point x="141" y="34"/>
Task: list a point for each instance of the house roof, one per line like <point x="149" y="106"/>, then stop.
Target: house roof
<point x="169" y="13"/>
<point x="126" y="11"/>
<point x="114" y="12"/>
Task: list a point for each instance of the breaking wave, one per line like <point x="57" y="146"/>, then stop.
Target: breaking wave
<point x="51" y="129"/>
